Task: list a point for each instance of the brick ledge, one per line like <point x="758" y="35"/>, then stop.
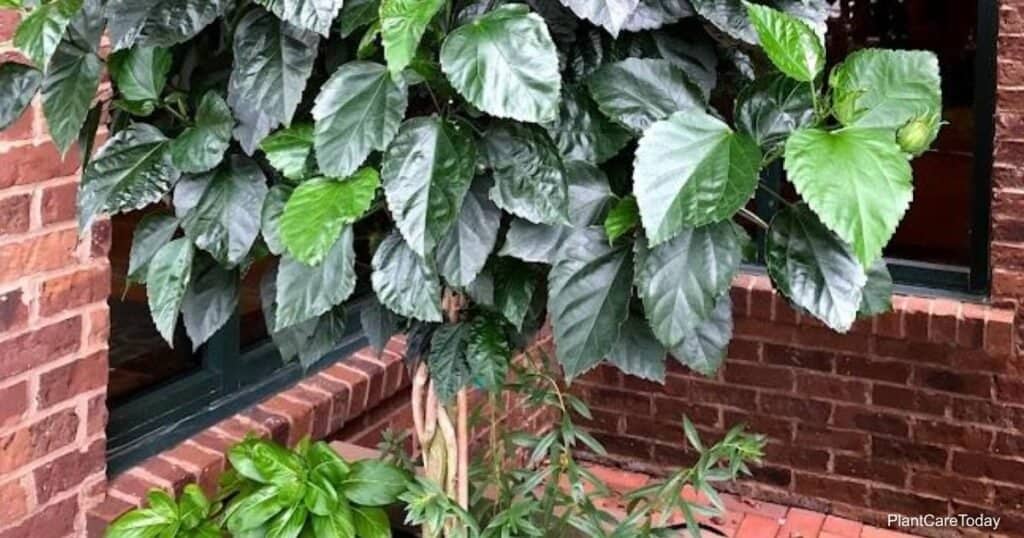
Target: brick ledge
<point x="317" y="406"/>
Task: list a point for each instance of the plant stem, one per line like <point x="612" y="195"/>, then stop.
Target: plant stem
<point x="778" y="197"/>
<point x="752" y="217"/>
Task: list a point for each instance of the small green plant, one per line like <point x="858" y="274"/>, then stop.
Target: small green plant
<point x="273" y="492"/>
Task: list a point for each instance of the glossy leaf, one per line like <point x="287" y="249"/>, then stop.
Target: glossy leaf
<point x="449" y="370"/>
<point x="221" y="210"/>
<point x="487" y="353"/>
<point x="358" y="110"/>
<point x="313" y="15"/>
<point x="622" y="219"/>
<point x="638" y="92"/>
<point x="772" y="108"/>
<point x="857" y="180"/>
<point x="39" y="32"/>
<point x="270" y="217"/>
<point x="159" y="23"/>
<point x="583" y="132"/>
<point x="374" y="483"/>
<point x="427" y="171"/>
<point x="729" y="16"/>
<point x="305" y="292"/>
<point x="886" y="88"/>
<point x="462" y="253"/>
<point x="612" y="15"/>
<point x="371" y="522"/>
<point x="379" y="324"/>
<point x="140" y="73"/>
<point x="18" y="85"/>
<point x="529" y="177"/>
<point x="318" y="209"/>
<point x="704" y="349"/>
<point x="402" y="24"/>
<point x="515" y="290"/>
<point x="505" y="64"/>
<point x="289" y="150"/>
<point x="272" y="61"/>
<point x="356" y="14"/>
<point x="590" y="286"/>
<point x="790" y="44"/>
<point x="73" y="77"/>
<point x="404" y="282"/>
<point x="132" y="170"/>
<point x="877" y="296"/>
<point x="694" y="53"/>
<point x="812" y="267"/>
<point x="151" y="233"/>
<point x="680" y="281"/>
<point x="211" y="300"/>
<point x="201" y="147"/>
<point x="691" y="170"/>
<point x="637" y="352"/>
<point x="652" y="14"/>
<point x="167" y="280"/>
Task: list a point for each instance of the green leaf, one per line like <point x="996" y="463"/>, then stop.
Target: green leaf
<point x="691" y="170"/>
<point x="159" y="23"/>
<point x="193" y="506"/>
<point x="321" y="497"/>
<point x="857" y="180"/>
<point x="612" y="15"/>
<point x="379" y="324"/>
<point x="772" y="108"/>
<point x="583" y="132"/>
<point x="515" y="290"/>
<point x="288" y="523"/>
<point x="790" y="44"/>
<point x="18" y="85"/>
<point x="320" y="208"/>
<point x="326" y="462"/>
<point x="151" y="233"/>
<point x="71" y="82"/>
<point x="356" y="14"/>
<point x="814" y="268"/>
<point x="211" y="300"/>
<point x="266" y="462"/>
<point x="449" y="369"/>
<point x="272" y="62"/>
<point x="358" y="110"/>
<point x="371" y="522"/>
<point x="505" y="64"/>
<point x="638" y="92"/>
<point x="404" y="282"/>
<point x="313" y="15"/>
<point x="270" y="217"/>
<point x="590" y="286"/>
<point x="335" y="525"/>
<point x="488" y="353"/>
<point x="427" y="171"/>
<point x="201" y="147"/>
<point x="374" y="483"/>
<point x="305" y="292"/>
<point x="529" y="177"/>
<point x="877" y="295"/>
<point x="704" y="348"/>
<point x="729" y="16"/>
<point x="289" y="150"/>
<point x="402" y="24"/>
<point x="589" y="196"/>
<point x="140" y="73"/>
<point x="220" y="210"/>
<point x="132" y="170"/>
<point x="167" y="280"/>
<point x="622" y="219"/>
<point x="652" y="14"/>
<point x="680" y="281"/>
<point x="637" y="352"/>
<point x="42" y="29"/>
<point x="886" y="88"/>
<point x="140" y="523"/>
<point x="255" y="510"/>
<point x="462" y="253"/>
<point x="694" y="53"/>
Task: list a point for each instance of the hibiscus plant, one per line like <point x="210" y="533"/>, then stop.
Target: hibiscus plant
<point x="479" y="167"/>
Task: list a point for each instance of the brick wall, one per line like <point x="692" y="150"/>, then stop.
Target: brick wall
<point x="53" y="335"/>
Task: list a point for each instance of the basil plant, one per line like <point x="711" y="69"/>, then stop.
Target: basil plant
<point x="587" y="162"/>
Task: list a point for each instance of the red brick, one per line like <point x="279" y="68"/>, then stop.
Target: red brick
<point x="812" y="435"/>
<point x="989" y="466"/>
<point x="358" y="387"/>
<point x="674" y="409"/>
<point x="827" y="339"/>
<point x="831" y="387"/>
<point x="73" y="290"/>
<point x="23" y="129"/>
<point x="375" y="373"/>
<point x="744" y="350"/>
<point x="944" y="433"/>
<point x="947" y="485"/>
<point x="665" y="431"/>
<point x="48" y="343"/>
<point x="339" y="398"/>
<point x="711" y="393"/>
<point x="800" y="522"/>
<point x="802" y="408"/>
<point x="869" y="368"/>
<point x="629" y="447"/>
<point x="971" y="331"/>
<point x="300" y="416"/>
<point x="999" y="328"/>
<point x="907" y="503"/>
<point x="870" y="469"/>
<point x="844" y="528"/>
<point x="910" y="399"/>
<point x="619" y="400"/>
<point x="9" y="19"/>
<point x="104" y="514"/>
<point x="825" y="487"/>
<point x="756" y="375"/>
<point x="32" y="164"/>
<point x="59" y="203"/>
<point x="14" y="214"/>
<point x="321" y="409"/>
<point x="169" y="472"/>
<point x="13" y="311"/>
<point x="899" y="451"/>
<point x="57" y="519"/>
<point x="797" y="457"/>
<point x="988" y="413"/>
<point x="14" y="500"/>
<point x="13" y="403"/>
<point x="38" y="439"/>
<point x="798" y="358"/>
<point x="76" y="377"/>
<point x="46" y="252"/>
<point x="756" y="526"/>
<point x="775" y="427"/>
<point x="205" y="465"/>
<point x="870" y="420"/>
<point x="97" y="419"/>
<point x="69" y="471"/>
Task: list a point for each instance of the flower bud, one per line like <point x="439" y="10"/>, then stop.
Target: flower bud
<point x="918" y="134"/>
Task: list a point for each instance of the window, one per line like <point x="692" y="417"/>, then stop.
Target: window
<point x="159" y="395"/>
<point x="952" y="181"/>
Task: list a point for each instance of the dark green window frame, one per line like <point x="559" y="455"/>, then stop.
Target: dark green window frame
<point x="973" y="280"/>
